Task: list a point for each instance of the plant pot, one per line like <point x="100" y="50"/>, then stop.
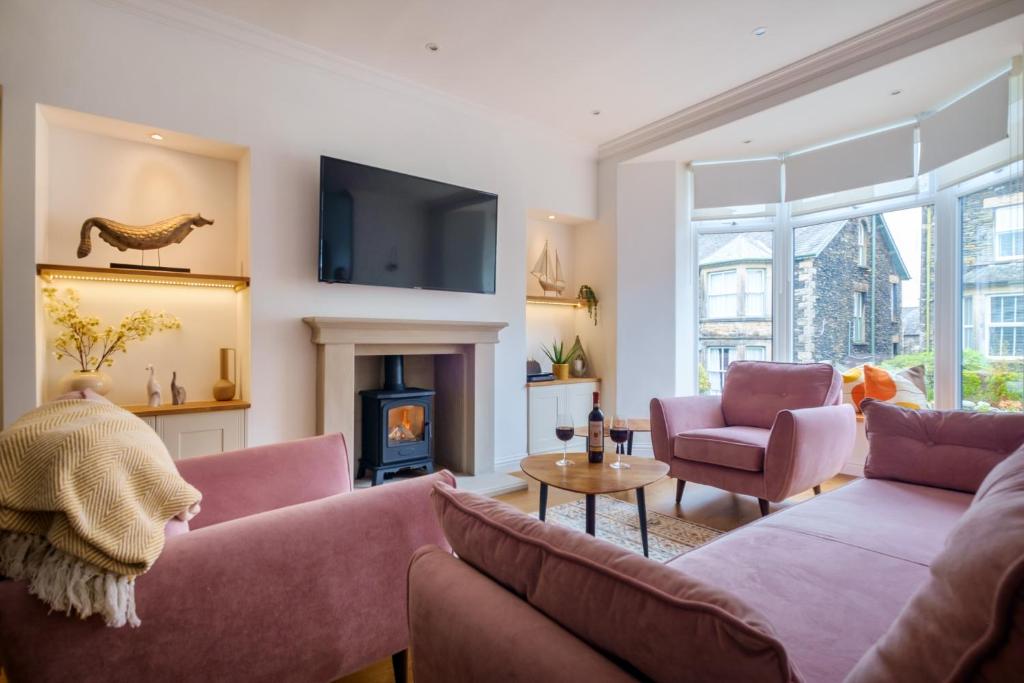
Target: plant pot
<point x="560" y="370"/>
<point x="80" y="380"/>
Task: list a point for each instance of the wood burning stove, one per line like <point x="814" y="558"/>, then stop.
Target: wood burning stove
<point x="397" y="420"/>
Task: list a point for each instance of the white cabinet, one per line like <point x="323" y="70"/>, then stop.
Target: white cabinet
<point x="187" y="434"/>
<point x="546" y="401"/>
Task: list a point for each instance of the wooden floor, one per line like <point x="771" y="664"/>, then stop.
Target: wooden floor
<point x="702" y="504"/>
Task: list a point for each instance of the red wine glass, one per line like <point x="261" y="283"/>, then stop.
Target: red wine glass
<point x="565" y="431"/>
<point x="619" y="433"/>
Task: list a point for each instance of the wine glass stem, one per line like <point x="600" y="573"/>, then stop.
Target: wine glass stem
<point x="565" y="451"/>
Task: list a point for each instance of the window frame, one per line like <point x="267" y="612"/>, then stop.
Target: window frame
<point x="858" y="333"/>
<point x="1017" y="325"/>
<point x="722" y="352"/>
<point x="734" y="295"/>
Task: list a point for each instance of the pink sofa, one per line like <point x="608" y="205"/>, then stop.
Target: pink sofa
<point x="286" y="575"/>
<point x="776" y="430"/>
<point x="905" y="575"/>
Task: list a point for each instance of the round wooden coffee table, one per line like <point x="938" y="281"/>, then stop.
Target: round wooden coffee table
<point x="593" y="479"/>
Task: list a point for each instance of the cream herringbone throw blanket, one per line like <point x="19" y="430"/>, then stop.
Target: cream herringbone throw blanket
<point x="86" y="489"/>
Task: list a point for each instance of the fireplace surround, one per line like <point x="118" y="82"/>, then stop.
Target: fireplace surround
<point x="464" y="375"/>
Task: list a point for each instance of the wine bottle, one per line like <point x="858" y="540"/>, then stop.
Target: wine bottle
<point x="595" y="432"/>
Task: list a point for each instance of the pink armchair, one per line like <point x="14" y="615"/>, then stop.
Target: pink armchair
<point x="776" y="430"/>
<point x="286" y="575"/>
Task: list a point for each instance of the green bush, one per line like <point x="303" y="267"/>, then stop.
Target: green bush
<point x="997" y="383"/>
<point x="703" y="381"/>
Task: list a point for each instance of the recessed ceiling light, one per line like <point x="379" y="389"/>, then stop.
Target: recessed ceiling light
<point x="747" y="142"/>
<point x="433" y="47"/>
<point x="551" y="217"/>
<point x="596" y="112"/>
<point x="895" y="92"/>
<point x="760" y="31"/>
<point x="156" y="136"/>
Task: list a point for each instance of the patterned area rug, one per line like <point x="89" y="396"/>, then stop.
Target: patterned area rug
<point x="618" y="523"/>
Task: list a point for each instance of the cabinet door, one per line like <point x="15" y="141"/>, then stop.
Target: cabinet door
<point x="543" y="410"/>
<point x="194" y="434"/>
<point x="579" y="402"/>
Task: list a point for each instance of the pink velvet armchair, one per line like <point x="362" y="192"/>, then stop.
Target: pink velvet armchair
<point x="286" y="575"/>
<point x="776" y="430"/>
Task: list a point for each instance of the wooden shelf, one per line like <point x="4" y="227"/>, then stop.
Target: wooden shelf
<point x="571" y="380"/>
<point x="51" y="272"/>
<point x="554" y="301"/>
<point x="188" y="407"/>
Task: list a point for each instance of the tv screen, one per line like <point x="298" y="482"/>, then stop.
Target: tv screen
<point x="379" y="227"/>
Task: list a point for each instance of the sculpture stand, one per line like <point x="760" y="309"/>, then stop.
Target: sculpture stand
<point x="166" y="269"/>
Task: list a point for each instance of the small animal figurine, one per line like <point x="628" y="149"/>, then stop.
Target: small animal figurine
<point x="153" y="388"/>
<point x="160" y="234"/>
<point x="177" y="391"/>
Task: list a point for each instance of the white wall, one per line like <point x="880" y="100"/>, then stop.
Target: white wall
<point x="646" y="286"/>
<point x="178" y="74"/>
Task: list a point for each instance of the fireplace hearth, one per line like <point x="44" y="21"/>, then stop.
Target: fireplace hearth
<point x="397" y="425"/>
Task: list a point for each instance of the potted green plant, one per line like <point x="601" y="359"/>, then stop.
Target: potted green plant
<point x="589" y="298"/>
<point x="560" y="358"/>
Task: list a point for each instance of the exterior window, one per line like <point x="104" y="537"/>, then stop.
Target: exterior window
<point x="852" y="306"/>
<point x="862" y="244"/>
<point x="1009" y="231"/>
<point x="717" y="359"/>
<point x="735" y="304"/>
<point x="1006" y="336"/>
<point x="992" y="291"/>
<point x="857" y="321"/>
<point x="754" y="304"/>
<point x="967" y="338"/>
<point x="722" y="294"/>
<point x="755" y="353"/>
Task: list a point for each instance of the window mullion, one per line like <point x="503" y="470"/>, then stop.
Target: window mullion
<point x="947" y="312"/>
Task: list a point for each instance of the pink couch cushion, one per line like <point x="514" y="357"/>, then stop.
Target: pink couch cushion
<point x="662" y="622"/>
<point x="740" y="448"/>
<point x="755" y="391"/>
<point x="948" y="449"/>
<point x="965" y="622"/>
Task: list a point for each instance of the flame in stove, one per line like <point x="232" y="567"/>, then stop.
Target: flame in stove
<point x="403" y="430"/>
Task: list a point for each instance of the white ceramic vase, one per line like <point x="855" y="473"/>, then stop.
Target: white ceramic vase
<point x="79" y="380"/>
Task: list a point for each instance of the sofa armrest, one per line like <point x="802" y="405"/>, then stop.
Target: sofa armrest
<point x="672" y="416"/>
<point x="309" y="592"/>
<point x="461" y="625"/>
<point x="806" y="447"/>
<point x="261" y="478"/>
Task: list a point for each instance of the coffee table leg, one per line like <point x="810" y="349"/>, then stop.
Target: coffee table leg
<point x="543" y="501"/>
<point x="629" y="443"/>
<point x="641" y="509"/>
<point x="591" y="514"/>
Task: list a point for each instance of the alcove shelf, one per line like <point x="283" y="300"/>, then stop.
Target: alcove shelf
<point x="554" y="301"/>
<point x="187" y="407"/>
<point x="51" y="272"/>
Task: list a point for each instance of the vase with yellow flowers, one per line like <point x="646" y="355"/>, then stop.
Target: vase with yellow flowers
<point x="85" y="340"/>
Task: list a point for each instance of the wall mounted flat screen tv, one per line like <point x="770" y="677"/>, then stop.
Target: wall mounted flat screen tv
<point x="379" y="227"/>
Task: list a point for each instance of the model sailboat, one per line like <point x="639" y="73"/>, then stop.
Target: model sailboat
<point x="549" y="277"/>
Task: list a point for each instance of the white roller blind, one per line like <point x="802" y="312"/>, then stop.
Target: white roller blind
<point x="868" y="160"/>
<point x="739" y="183"/>
<point x="973" y="122"/>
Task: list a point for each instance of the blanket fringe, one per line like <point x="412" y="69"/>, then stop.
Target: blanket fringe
<point x="65" y="583"/>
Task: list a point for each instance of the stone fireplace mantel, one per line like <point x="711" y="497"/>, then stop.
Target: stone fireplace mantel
<point x="465" y="374"/>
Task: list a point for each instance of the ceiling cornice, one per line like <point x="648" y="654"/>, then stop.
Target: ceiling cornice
<point x="931" y="25"/>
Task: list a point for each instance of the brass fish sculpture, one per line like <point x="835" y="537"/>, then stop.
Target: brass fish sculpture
<point x="155" y="236"/>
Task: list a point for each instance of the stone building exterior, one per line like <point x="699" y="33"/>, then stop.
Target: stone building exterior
<point x="833" y="297"/>
<point x="841" y="314"/>
<point x="993" y="272"/>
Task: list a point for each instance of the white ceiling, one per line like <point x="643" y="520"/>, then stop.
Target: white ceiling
<point x="862" y="103"/>
<point x="554" y="61"/>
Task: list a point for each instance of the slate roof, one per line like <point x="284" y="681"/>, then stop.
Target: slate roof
<point x="1010" y="272"/>
<point x="808" y="242"/>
